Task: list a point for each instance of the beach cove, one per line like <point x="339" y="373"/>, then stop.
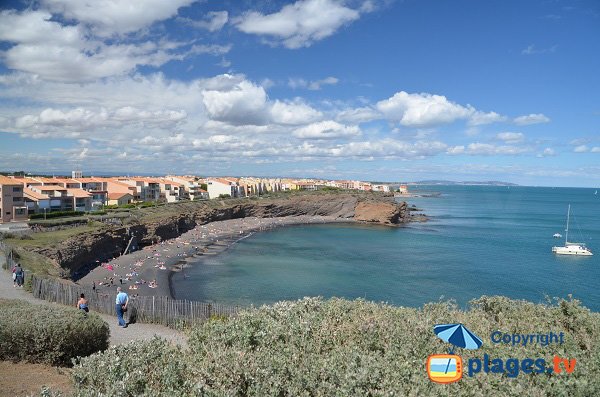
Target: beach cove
<point x="148" y="272"/>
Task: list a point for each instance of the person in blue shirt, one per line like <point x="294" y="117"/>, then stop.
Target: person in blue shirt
<point x="121" y="306"/>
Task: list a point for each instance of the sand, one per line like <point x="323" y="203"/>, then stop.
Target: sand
<point x="147" y="272"/>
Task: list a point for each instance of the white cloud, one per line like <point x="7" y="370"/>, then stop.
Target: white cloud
<point x="213" y="49"/>
<point x="510" y="137"/>
<point x="547" y="152"/>
<point x="243" y="103"/>
<point x="482" y="118"/>
<point x="297" y="83"/>
<point x="294" y="113"/>
<point x="212" y="21"/>
<point x="390" y="148"/>
<point x="454" y="150"/>
<point x="164" y="122"/>
<point x="486" y="149"/>
<point x="531" y="50"/>
<point x="316" y="85"/>
<point x="358" y="115"/>
<point x="300" y="24"/>
<point x="311" y="85"/>
<point x="533" y="118"/>
<point x="225" y="63"/>
<point x="328" y="129"/>
<point x="581" y="149"/>
<point x="56" y="123"/>
<point x="422" y="110"/>
<point x="595" y="149"/>
<point x="109" y="17"/>
<point x="579" y="141"/>
<point x="67" y="53"/>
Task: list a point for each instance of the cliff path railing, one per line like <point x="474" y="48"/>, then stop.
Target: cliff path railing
<point x="145" y="309"/>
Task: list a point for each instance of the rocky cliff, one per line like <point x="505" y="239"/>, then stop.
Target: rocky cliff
<point x="171" y="221"/>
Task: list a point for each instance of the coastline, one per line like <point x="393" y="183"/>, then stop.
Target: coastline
<point x="157" y="263"/>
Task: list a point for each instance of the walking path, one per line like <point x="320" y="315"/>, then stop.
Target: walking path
<point x="118" y="335"/>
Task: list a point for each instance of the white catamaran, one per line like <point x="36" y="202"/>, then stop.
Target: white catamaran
<point x="571" y="248"/>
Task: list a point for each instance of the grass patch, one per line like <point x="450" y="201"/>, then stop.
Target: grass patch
<point x="46" y="239"/>
<point x="36" y="263"/>
<point x="33" y="262"/>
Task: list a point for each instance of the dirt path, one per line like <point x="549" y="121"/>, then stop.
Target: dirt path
<point x="118" y="335"/>
<point x="24" y="379"/>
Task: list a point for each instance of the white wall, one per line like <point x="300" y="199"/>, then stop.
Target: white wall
<point x="216" y="188"/>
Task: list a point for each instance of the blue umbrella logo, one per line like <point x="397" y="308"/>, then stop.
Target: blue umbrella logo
<point x="458" y="335"/>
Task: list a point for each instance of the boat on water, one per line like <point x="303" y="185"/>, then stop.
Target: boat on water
<point x="557" y="235"/>
<point x="571" y="248"/>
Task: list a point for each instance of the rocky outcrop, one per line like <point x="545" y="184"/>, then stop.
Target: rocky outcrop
<point x="175" y="220"/>
<point x="378" y="212"/>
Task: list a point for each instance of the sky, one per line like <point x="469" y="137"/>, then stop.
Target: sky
<point x="378" y="90"/>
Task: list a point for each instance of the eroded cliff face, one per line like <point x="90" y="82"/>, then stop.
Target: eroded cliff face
<point x="85" y="249"/>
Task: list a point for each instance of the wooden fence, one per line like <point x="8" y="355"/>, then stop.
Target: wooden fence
<point x="146" y="309"/>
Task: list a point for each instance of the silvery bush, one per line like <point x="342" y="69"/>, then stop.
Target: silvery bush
<point x="48" y="334"/>
<point x="315" y="347"/>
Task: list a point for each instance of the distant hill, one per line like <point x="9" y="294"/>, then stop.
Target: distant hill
<point x="445" y="182"/>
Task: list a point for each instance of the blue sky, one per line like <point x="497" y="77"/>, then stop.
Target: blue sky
<point x="361" y="89"/>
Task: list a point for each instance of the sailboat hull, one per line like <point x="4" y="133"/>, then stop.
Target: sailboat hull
<point x="572" y="250"/>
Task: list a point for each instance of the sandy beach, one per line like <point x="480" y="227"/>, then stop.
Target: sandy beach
<point x="147" y="272"/>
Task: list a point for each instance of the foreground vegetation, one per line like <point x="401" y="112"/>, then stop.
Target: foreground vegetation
<point x="340" y="348"/>
<point x="49" y="335"/>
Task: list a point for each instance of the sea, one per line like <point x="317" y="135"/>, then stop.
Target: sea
<point x="479" y="240"/>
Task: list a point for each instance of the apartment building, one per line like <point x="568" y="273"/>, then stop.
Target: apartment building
<point x="225" y="186"/>
<point x="47" y="198"/>
<point x="143" y="189"/>
<point x="381" y="188"/>
<point x="171" y="191"/>
<point x="12" y="203"/>
<point x="120" y="198"/>
<point x="312" y="186"/>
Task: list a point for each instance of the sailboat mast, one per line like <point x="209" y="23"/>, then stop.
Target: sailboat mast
<point x="567" y="231"/>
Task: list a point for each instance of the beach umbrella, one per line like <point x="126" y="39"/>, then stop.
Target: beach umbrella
<point x="458" y="335"/>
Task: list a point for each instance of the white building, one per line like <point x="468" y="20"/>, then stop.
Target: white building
<point x="219" y="186"/>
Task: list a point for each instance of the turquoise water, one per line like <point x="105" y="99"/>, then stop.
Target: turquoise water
<point x="479" y="241"/>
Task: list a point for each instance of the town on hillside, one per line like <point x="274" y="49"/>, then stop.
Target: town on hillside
<point x="23" y="196"/>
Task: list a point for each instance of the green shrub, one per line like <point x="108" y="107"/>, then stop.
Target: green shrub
<point x="153" y="368"/>
<point x="55" y="214"/>
<point x="48" y="334"/>
<point x="313" y="347"/>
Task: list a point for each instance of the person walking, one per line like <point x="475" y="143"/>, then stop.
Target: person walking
<point x="82" y="303"/>
<point x="121" y="306"/>
<point x="19" y="275"/>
